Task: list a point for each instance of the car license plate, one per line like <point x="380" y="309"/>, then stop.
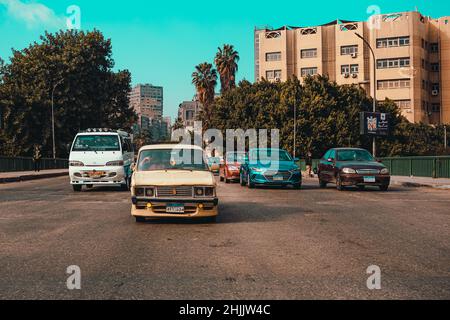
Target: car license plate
<point x="175" y="208"/>
<point x="96" y="174"/>
<point x="278" y="178"/>
<point x="369" y="180"/>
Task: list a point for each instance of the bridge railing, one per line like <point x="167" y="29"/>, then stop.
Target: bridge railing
<point x="14" y="164"/>
<point x="432" y="167"/>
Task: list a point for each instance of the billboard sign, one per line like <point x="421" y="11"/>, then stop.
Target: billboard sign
<point x="375" y="123"/>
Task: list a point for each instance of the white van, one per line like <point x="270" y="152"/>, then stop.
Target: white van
<point x="101" y="157"/>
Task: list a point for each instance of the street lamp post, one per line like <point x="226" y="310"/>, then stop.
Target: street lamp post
<point x="53" y="118"/>
<point x="374" y="143"/>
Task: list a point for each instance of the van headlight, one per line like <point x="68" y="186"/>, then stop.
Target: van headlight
<point x="76" y="164"/>
<point x="384" y="171"/>
<point x="348" y="171"/>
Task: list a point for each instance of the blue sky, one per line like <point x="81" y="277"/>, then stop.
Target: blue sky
<point x="160" y="42"/>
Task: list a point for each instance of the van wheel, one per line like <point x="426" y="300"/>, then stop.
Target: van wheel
<point x="77" y="188"/>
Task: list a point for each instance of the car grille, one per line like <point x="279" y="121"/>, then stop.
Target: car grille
<point x="367" y="171"/>
<point x="269" y="175"/>
<point x="180" y="192"/>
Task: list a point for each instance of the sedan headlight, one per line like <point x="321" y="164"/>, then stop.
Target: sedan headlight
<point x="76" y="164"/>
<point x="256" y="169"/>
<point x="384" y="171"/>
<point x="348" y="171"/>
<point x="115" y="164"/>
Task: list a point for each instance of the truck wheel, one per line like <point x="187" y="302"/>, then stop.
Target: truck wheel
<point x="77" y="188"/>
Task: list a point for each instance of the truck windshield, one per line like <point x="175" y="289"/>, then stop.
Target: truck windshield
<point x="172" y="159"/>
<point x="96" y="143"/>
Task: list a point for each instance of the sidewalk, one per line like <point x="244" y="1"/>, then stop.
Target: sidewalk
<point x="6" y="177"/>
<point x="416" y="182"/>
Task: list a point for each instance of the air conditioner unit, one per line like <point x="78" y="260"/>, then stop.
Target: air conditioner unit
<point x="355" y="75"/>
<point x="435" y="92"/>
<point x="354" y="55"/>
<point x="346" y="75"/>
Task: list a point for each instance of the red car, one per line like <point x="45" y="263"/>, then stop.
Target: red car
<point x="231" y="167"/>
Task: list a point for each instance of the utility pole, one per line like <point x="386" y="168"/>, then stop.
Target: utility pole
<point x="53" y="118"/>
<point x="374" y="141"/>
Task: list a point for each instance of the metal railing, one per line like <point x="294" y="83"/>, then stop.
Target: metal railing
<point x="14" y="164"/>
<point x="431" y="167"/>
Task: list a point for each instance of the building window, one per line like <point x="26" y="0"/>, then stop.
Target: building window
<point x="435" y="107"/>
<point x="350" y="69"/>
<point x="393" y="63"/>
<point x="273" y="74"/>
<point x="309" y="53"/>
<point x="403" y="104"/>
<point x="273" y="56"/>
<point x="273" y="35"/>
<point x="393" y="42"/>
<point x="434" y="47"/>
<point x="309" y="71"/>
<point x="434" y="67"/>
<point x="349" y="50"/>
<point x="394" y="84"/>
<point x="392" y="17"/>
<point x="435" y="88"/>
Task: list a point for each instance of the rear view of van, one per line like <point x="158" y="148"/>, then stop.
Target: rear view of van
<point x="101" y="157"/>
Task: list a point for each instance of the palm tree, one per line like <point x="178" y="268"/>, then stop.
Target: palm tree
<point x="205" y="80"/>
<point x="227" y="65"/>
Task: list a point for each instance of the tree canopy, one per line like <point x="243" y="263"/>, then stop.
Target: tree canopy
<point x="78" y="65"/>
<point x="327" y="116"/>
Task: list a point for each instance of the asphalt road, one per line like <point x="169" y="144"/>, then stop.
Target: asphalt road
<point x="267" y="244"/>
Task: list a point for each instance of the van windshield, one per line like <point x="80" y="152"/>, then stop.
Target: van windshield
<point x="172" y="159"/>
<point x="96" y="143"/>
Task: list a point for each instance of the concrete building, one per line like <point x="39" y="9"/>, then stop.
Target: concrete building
<point x="412" y="53"/>
<point x="188" y="112"/>
<point x="147" y="100"/>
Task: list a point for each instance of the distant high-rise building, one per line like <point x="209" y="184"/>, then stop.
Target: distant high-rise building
<point x="412" y="59"/>
<point x="188" y="113"/>
<point x="147" y="100"/>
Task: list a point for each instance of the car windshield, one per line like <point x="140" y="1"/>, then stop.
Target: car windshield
<point x="96" y="143"/>
<point x="269" y="155"/>
<point x="354" y="155"/>
<point x="214" y="161"/>
<point x="236" y="157"/>
<point x="172" y="159"/>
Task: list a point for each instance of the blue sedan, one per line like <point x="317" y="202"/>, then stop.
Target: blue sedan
<point x="270" y="167"/>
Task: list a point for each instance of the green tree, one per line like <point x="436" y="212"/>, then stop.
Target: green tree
<point x="226" y="61"/>
<point x="89" y="95"/>
<point x="205" y="80"/>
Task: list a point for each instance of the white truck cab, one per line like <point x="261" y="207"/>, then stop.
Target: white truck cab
<point x="101" y="157"/>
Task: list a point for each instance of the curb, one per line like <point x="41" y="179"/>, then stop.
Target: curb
<point x="32" y="177"/>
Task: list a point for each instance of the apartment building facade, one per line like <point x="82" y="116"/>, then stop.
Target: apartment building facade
<point x="412" y="59"/>
<point x="147" y="100"/>
<point x="188" y="112"/>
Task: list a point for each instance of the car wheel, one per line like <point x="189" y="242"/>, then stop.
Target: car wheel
<point x="322" y="184"/>
<point x="227" y="181"/>
<point x="241" y="180"/>
<point x="250" y="185"/>
<point x="384" y="188"/>
<point x="77" y="188"/>
<point x="339" y="185"/>
<point x="221" y="179"/>
<point x="140" y="219"/>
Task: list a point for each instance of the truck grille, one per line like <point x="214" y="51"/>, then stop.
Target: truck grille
<point x="180" y="192"/>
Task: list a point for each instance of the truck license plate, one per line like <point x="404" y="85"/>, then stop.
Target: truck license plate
<point x="175" y="208"/>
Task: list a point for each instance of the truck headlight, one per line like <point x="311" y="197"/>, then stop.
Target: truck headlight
<point x="384" y="171"/>
<point x="199" y="191"/>
<point x="348" y="171"/>
<point x="139" y="192"/>
<point x="149" y="192"/>
<point x="76" y="164"/>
